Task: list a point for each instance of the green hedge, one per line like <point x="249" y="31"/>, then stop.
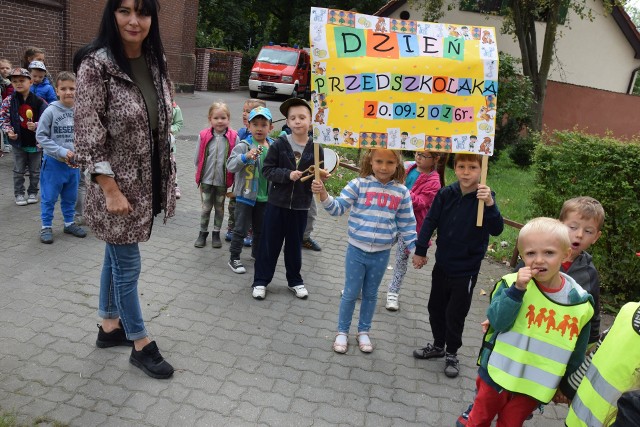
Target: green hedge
<point x="573" y="164"/>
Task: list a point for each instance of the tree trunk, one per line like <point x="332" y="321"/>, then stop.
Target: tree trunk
<point x="524" y="13"/>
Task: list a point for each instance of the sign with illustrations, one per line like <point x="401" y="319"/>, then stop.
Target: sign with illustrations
<point x="401" y="84"/>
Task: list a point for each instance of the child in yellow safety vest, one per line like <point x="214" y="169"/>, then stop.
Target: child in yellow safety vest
<point x="538" y="333"/>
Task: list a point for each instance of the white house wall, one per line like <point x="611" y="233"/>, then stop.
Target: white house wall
<point x="594" y="54"/>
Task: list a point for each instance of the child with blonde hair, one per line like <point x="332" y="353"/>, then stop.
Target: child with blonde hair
<point x="212" y="151"/>
<point x="380" y="207"/>
<point x="538" y="330"/>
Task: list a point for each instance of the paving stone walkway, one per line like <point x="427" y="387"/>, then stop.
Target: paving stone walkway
<point x="239" y="361"/>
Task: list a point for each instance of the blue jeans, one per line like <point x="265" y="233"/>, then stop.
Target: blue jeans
<point x="22" y="159"/>
<point x="119" y="288"/>
<point x="363" y="273"/>
<point x="57" y="180"/>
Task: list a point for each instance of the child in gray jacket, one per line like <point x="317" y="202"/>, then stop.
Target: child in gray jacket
<point x="250" y="186"/>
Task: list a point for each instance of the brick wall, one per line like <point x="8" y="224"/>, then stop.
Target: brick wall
<point x="25" y="23"/>
<point x="599" y="112"/>
<point x="42" y="23"/>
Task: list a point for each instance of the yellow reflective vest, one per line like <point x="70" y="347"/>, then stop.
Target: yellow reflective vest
<point x="531" y="358"/>
<point x="613" y="370"/>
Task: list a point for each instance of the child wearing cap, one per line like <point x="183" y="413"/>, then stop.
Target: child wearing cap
<point x="250" y="185"/>
<point x="19" y="117"/>
<point x="285" y="216"/>
<point x="40" y="84"/>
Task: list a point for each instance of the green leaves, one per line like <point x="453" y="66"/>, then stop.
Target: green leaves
<point x="572" y="164"/>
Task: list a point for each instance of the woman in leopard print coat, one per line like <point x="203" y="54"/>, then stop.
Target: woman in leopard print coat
<point x="122" y="120"/>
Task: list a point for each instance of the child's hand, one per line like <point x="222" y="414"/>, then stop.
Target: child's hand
<point x="419" y="261"/>
<point x="12" y="135"/>
<point x="559" y="397"/>
<point x="252" y="154"/>
<point x="295" y="175"/>
<point x="525" y="274"/>
<point x="32" y="126"/>
<point x="324" y="175"/>
<point x="317" y="187"/>
<point x="485" y="325"/>
<point x="484" y="194"/>
<point x="70" y="155"/>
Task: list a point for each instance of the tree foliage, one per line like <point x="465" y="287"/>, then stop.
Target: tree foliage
<point x="246" y="24"/>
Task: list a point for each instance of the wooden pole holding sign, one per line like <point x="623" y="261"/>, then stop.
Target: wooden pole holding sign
<point x="316" y="160"/>
<point x="483" y="181"/>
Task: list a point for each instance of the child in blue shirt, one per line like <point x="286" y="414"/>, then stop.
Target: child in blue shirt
<point x="59" y="174"/>
<point x="40" y="83"/>
<point x="380" y="207"/>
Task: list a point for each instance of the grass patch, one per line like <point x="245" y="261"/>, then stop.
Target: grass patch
<point x="512" y="185"/>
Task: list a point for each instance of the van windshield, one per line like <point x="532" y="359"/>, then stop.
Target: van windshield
<point x="275" y="56"/>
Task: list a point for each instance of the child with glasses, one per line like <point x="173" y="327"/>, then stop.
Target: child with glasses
<point x="423" y="179"/>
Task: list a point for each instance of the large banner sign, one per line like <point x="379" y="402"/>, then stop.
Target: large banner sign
<point x="400" y="84"/>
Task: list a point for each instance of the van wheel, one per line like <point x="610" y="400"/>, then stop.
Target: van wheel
<point x="253" y="94"/>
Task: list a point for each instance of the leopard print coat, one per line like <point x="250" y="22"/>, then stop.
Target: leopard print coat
<point x="112" y="136"/>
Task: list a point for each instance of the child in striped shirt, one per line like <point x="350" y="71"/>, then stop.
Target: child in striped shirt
<point x="380" y="207"/>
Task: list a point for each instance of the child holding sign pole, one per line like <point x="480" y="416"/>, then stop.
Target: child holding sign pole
<point x="461" y="246"/>
<point x="380" y="207"/>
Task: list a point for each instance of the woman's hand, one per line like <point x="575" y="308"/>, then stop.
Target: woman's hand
<point x="117" y="203"/>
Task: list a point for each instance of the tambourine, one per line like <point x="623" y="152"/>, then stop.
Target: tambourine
<point x="330" y="163"/>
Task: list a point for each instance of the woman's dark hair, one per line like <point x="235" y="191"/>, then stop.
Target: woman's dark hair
<point x="109" y="37"/>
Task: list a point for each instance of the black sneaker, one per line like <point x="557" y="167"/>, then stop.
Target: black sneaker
<point x="309" y="243"/>
<point x="236" y="266"/>
<point x="428" y="352"/>
<point x="113" y="338"/>
<point x="75" y="230"/>
<point x="452" y="366"/>
<point x="463" y="419"/>
<point x="151" y="361"/>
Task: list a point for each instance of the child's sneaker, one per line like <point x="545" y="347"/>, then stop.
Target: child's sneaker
<point x="309" y="243"/>
<point x="428" y="352"/>
<point x="32" y="199"/>
<point x="259" y="292"/>
<point x="236" y="266"/>
<point x="178" y="195"/>
<point x="229" y="235"/>
<point x="300" y="291"/>
<point x="46" y="235"/>
<point x="452" y="366"/>
<point x="75" y="230"/>
<point x="20" y="200"/>
<point x="248" y="241"/>
<point x="464" y="417"/>
<point x="392" y="302"/>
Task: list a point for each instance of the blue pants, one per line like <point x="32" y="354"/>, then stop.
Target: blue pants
<point x="363" y="273"/>
<point x="57" y="180"/>
<point x="280" y="225"/>
<point x="119" y="288"/>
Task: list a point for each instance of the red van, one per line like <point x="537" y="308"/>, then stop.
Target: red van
<point x="281" y="70"/>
